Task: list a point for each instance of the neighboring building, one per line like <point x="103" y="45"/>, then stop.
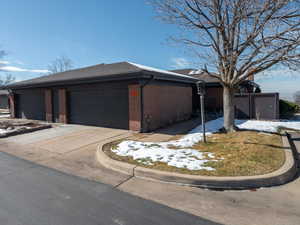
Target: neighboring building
<point x="249" y="102"/>
<point x="120" y="95"/>
<point x="214" y="89"/>
<point x="3" y="99"/>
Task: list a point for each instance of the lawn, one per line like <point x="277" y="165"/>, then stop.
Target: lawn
<point x="242" y="153"/>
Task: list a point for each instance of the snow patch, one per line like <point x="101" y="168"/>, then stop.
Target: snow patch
<point x="193" y="72"/>
<point x="5" y="116"/>
<point x="148" y="68"/>
<point x="267" y="126"/>
<point x="179" y="153"/>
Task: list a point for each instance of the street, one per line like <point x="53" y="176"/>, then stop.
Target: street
<point x="36" y="195"/>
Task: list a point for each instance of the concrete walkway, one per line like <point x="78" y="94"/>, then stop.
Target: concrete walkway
<point x="296" y="139"/>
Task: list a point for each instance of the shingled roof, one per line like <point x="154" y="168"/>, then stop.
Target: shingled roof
<point x="102" y="72"/>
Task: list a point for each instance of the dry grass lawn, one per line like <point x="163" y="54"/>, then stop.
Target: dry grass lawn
<point x="243" y="153"/>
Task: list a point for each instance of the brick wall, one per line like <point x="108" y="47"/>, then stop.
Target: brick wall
<point x="134" y="101"/>
<point x="259" y="106"/>
<point x="165" y="104"/>
<point x="12" y="105"/>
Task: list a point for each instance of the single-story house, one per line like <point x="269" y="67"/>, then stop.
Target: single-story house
<point x="119" y="95"/>
<point x="249" y="102"/>
<point x="3" y="99"/>
<point x="214" y="89"/>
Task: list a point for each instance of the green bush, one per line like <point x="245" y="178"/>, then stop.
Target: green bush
<point x="288" y="108"/>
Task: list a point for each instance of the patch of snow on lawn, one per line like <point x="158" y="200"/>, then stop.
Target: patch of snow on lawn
<point x="267" y="126"/>
<point x="3" y="131"/>
<point x="147" y="152"/>
<point x="11" y="129"/>
<point x="6" y="131"/>
<point x="179" y="153"/>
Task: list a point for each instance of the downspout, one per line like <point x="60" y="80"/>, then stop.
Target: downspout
<point x="142" y="101"/>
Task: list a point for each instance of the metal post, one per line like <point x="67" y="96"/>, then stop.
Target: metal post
<point x="203" y="117"/>
<point x="201" y="91"/>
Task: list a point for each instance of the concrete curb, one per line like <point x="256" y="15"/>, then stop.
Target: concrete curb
<point x="281" y="176"/>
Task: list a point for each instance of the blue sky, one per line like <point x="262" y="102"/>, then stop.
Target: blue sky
<point x="35" y="32"/>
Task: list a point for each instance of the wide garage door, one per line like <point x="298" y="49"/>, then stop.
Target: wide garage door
<point x="31" y="105"/>
<point x="107" y="107"/>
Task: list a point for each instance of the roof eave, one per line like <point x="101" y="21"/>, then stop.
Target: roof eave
<point x="107" y="78"/>
<point x="169" y="77"/>
<point x="116" y="77"/>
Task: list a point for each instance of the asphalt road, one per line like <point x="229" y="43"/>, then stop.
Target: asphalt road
<point x="35" y="195"/>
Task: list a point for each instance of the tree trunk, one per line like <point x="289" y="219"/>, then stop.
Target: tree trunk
<point x="228" y="109"/>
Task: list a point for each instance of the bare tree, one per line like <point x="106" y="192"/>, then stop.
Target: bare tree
<point x="239" y="38"/>
<point x="60" y="64"/>
<point x="297" y="97"/>
<point x="9" y="78"/>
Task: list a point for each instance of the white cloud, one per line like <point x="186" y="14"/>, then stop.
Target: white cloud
<point x="278" y="73"/>
<point x="4" y="62"/>
<point x="180" y="63"/>
<point x="281" y="80"/>
<point x="19" y="62"/>
<point x="18" y="69"/>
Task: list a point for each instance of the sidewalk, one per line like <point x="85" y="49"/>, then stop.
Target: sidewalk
<point x="296" y="139"/>
<point x="174" y="131"/>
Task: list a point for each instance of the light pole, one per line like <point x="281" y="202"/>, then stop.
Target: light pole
<point x="201" y="92"/>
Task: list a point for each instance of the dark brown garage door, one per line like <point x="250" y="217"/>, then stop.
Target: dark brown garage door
<point x="3" y="102"/>
<point x="108" y="108"/>
<point x="31" y="105"/>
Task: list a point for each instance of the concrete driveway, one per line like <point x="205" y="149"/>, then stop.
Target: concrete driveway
<point x="68" y="148"/>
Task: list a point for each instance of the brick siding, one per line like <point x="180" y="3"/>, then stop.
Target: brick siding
<point x="164" y="105"/>
<point x="134" y="107"/>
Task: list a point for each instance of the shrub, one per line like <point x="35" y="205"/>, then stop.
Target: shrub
<point x="287" y="108"/>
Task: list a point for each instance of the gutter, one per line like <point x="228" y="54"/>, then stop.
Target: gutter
<point x="104" y="78"/>
<point x="142" y="100"/>
<point x="107" y="78"/>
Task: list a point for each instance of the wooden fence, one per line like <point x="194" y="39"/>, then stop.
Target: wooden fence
<point x="260" y="106"/>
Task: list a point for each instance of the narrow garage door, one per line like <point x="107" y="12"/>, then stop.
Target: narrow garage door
<point x="105" y="107"/>
<point x="31" y="105"/>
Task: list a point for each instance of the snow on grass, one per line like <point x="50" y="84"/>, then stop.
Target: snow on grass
<point x="3" y="131"/>
<point x="11" y="129"/>
<point x="267" y="126"/>
<point x="179" y="153"/>
<point x="6" y="131"/>
<point x="148" y="152"/>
